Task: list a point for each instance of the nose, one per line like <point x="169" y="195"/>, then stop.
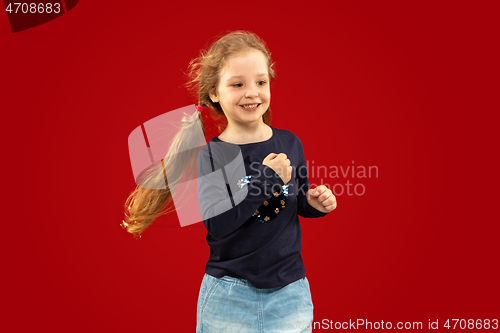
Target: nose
<point x="251" y="92"/>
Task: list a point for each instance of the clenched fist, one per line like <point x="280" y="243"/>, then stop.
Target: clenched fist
<point x="280" y="164"/>
<point x="322" y="199"/>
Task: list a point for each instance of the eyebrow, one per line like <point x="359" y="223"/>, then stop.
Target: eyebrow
<point x="241" y="76"/>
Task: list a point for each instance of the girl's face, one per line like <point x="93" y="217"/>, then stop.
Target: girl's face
<point x="243" y="91"/>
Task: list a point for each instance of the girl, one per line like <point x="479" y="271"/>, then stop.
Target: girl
<point x="252" y="186"/>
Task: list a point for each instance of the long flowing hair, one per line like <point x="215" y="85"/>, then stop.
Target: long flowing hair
<point x="146" y="203"/>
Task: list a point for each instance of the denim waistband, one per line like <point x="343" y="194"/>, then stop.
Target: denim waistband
<point x="235" y="280"/>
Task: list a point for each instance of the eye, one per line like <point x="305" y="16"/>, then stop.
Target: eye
<point x="237" y="85"/>
<point x="262" y="83"/>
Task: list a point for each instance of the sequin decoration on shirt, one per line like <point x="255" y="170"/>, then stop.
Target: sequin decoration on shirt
<point x="270" y="208"/>
<point x="243" y="181"/>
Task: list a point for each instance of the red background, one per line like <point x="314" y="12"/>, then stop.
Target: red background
<point x="408" y="87"/>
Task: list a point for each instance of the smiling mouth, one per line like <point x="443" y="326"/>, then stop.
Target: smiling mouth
<point x="250" y="106"/>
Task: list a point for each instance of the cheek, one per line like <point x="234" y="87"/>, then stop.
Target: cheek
<point x="267" y="95"/>
<point x="268" y="90"/>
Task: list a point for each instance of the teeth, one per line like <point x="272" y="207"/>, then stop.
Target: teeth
<point x="250" y="106"/>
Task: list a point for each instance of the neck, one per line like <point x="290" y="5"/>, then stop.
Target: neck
<point x="248" y="133"/>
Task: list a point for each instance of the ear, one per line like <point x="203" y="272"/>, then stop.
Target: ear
<point x="213" y="97"/>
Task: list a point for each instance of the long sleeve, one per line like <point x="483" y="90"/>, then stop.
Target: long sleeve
<point x="303" y="207"/>
<point x="224" y="206"/>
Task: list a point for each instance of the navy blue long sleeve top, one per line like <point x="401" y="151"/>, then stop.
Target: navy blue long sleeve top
<point x="233" y="185"/>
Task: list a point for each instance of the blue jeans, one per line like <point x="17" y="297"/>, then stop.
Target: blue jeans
<point x="229" y="304"/>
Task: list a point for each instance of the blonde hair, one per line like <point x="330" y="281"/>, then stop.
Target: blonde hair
<point x="146" y="203"/>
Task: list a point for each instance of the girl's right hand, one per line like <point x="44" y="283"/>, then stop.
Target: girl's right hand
<point x="280" y="164"/>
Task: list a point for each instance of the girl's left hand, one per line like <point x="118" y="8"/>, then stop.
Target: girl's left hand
<point x="322" y="199"/>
